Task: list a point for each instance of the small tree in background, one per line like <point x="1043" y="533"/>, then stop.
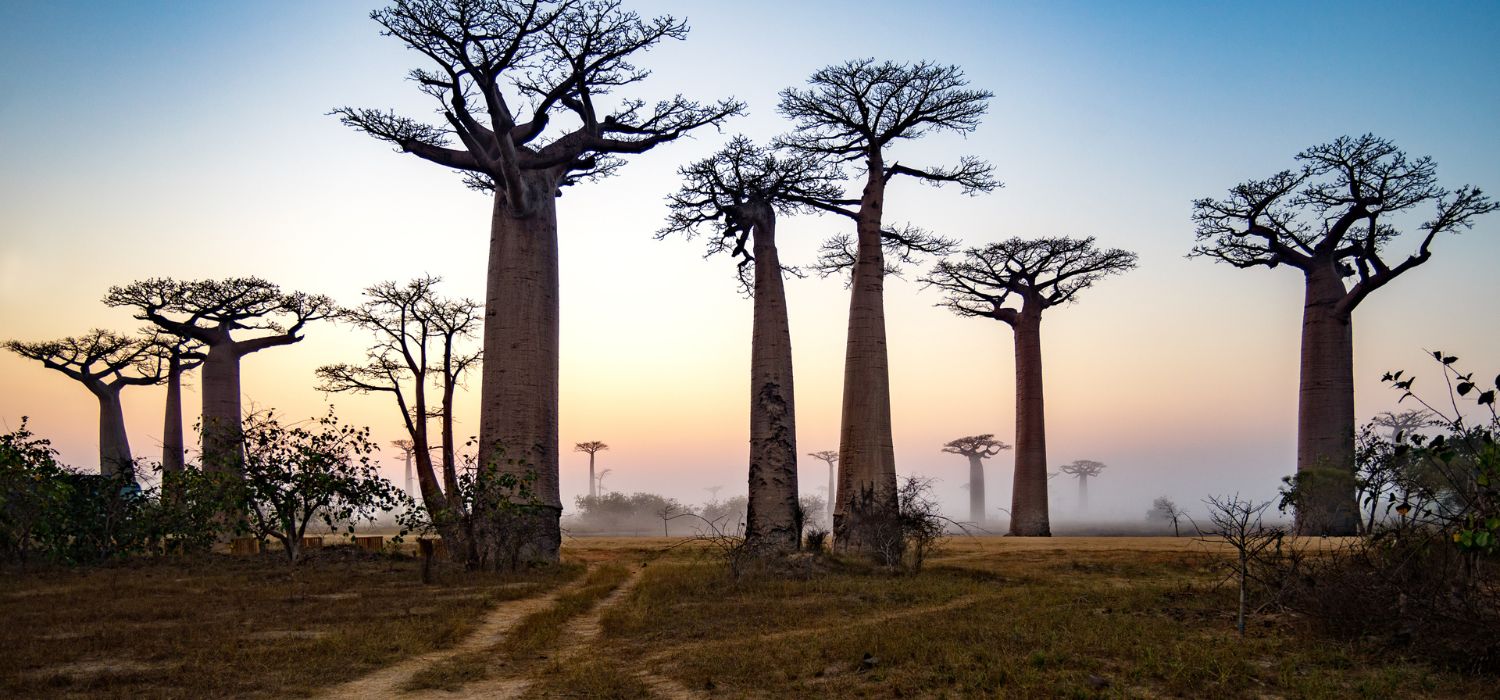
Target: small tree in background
<point x="832" y="458"/>
<point x="1164" y="510"/>
<point x="1238" y="523"/>
<point x="295" y="475"/>
<point x="1083" y="470"/>
<point x="593" y="447"/>
<point x="976" y="448"/>
<point x="105" y="363"/>
<point x="1035" y="275"/>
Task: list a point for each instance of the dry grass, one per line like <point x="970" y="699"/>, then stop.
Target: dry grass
<point x="224" y="626"/>
<point x="1069" y="617"/>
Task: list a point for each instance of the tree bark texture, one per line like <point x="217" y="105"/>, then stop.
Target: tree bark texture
<point x="1028" y="508"/>
<point x="1325" y="411"/>
<point x="222" y="448"/>
<point x="173" y="458"/>
<point x="771" y="516"/>
<point x="519" y="390"/>
<point x="867" y="459"/>
<point x="114" y="444"/>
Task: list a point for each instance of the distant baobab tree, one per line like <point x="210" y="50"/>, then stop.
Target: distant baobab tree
<point x="1083" y="470"/>
<point x="853" y="113"/>
<point x="104" y="362"/>
<point x="592" y="448"/>
<point x="736" y="195"/>
<point x="1037" y="275"/>
<point x="832" y="458"/>
<point x="213" y="313"/>
<point x="419" y="343"/>
<point x="180" y="355"/>
<point x="1332" y="219"/>
<point x="976" y="448"/>
<point x="1402" y="424"/>
<point x="600" y="481"/>
<point x="500" y="71"/>
<point x="407" y="448"/>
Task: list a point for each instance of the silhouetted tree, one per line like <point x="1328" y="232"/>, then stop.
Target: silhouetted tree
<point x="419" y="336"/>
<point x="832" y="458"/>
<point x="180" y="356"/>
<point x="977" y="448"/>
<point x="736" y="194"/>
<point x="1083" y="470"/>
<point x="104" y="362"/>
<point x="1038" y="275"/>
<point x="522" y="86"/>
<point x="1164" y="510"/>
<point x="212" y="312"/>
<point x="592" y="448"/>
<point x="1332" y="219"/>
<point x="1402" y="424"/>
<point x="853" y="113"/>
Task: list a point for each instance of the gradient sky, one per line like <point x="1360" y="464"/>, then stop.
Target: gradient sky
<point x="191" y="139"/>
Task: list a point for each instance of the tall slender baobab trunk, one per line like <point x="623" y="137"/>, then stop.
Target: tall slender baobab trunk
<point x="222" y="448"/>
<point x="833" y="489"/>
<point x="976" y="488"/>
<point x="519" y="392"/>
<point x="593" y="481"/>
<point x="1083" y="492"/>
<point x="771" y="516"/>
<point x="1325" y="410"/>
<point x="867" y="457"/>
<point x="173" y="458"/>
<point x="1028" y="507"/>
<point x="114" y="443"/>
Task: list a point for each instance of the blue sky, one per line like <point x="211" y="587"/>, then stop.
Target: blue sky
<point x="191" y="139"/>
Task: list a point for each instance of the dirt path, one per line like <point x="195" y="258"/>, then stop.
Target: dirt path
<point x="387" y="682"/>
<point x="577" y="637"/>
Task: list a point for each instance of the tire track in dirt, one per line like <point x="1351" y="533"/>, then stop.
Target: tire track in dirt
<point x="387" y="682"/>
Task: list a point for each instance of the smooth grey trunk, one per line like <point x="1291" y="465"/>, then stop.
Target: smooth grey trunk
<point x="867" y="458"/>
<point x="519" y="386"/>
<point x="833" y="489"/>
<point x="593" y="482"/>
<point x="173" y="457"/>
<point x="1028" y="507"/>
<point x="1325" y="410"/>
<point x="222" y="448"/>
<point x="1083" y="492"/>
<point x="114" y="443"/>
<point x="408" y="475"/>
<point x="771" y="516"/>
<point x="976" y="488"/>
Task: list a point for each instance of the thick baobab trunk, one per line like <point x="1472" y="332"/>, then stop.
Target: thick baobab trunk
<point x="1325" y="411"/>
<point x="114" y="444"/>
<point x="771" y="518"/>
<point x="1028" y="507"/>
<point x="1083" y="493"/>
<point x="518" y="394"/>
<point x="222" y="448"/>
<point x="867" y="458"/>
<point x="172" y="448"/>
<point x="593" y="482"/>
<point x="976" y="488"/>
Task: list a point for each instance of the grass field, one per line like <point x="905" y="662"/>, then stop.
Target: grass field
<point x="1059" y="617"/>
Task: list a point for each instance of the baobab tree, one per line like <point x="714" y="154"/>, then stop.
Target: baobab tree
<point x="1332" y="219"/>
<point x="1402" y="424"/>
<point x="407" y="448"/>
<point x="419" y="343"/>
<point x="1083" y="470"/>
<point x="524" y="88"/>
<point x="976" y="448"/>
<point x="736" y="195"/>
<point x="832" y="458"/>
<point x="592" y="448"/>
<point x="854" y="113"/>
<point x="104" y="362"/>
<point x="213" y="313"/>
<point x="1036" y="275"/>
<point x="180" y="356"/>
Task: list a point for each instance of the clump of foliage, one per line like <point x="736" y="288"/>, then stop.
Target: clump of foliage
<point x="900" y="539"/>
<point x="296" y="475"/>
<point x="1423" y="577"/>
<point x="32" y="492"/>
